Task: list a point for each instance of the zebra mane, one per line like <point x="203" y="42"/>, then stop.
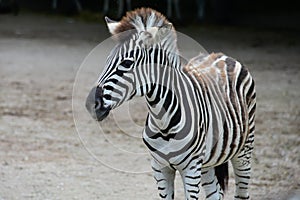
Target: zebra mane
<point x="151" y="27"/>
<point x="141" y="19"/>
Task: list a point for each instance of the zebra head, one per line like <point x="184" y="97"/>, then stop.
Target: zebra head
<point x="144" y="37"/>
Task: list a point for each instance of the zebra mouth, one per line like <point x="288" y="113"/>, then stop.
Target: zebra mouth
<point x="98" y="114"/>
<point x="101" y="114"/>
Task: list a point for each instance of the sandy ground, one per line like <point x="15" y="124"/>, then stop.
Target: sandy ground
<point x="43" y="155"/>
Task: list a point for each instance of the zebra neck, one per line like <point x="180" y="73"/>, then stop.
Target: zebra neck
<point x="170" y="104"/>
<point x="166" y="54"/>
<point x="174" y="58"/>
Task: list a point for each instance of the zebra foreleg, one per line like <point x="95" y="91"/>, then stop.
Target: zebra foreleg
<point x="210" y="184"/>
<point x="242" y="169"/>
<point x="191" y="177"/>
<point x="164" y="177"/>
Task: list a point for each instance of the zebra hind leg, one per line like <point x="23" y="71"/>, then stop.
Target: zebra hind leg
<point x="242" y="169"/>
<point x="164" y="177"/>
<point x="210" y="183"/>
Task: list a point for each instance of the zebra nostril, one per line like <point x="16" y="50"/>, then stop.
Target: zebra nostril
<point x="97" y="104"/>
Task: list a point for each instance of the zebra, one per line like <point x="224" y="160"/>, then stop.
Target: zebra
<point x="201" y="112"/>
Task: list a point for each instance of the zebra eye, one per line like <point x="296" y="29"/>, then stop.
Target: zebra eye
<point x="126" y="64"/>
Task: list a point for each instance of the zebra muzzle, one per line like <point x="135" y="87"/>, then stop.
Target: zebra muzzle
<point x="95" y="105"/>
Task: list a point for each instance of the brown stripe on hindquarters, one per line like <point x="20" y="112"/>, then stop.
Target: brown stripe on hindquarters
<point x="205" y="62"/>
<point x="222" y="78"/>
<point x="221" y="172"/>
<point x="215" y="56"/>
<point x="209" y="60"/>
<point x="220" y="64"/>
<point x="205" y="66"/>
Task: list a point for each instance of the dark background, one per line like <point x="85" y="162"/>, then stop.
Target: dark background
<point x="257" y="13"/>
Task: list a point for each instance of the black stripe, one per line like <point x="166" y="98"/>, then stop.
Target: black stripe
<point x="194" y="191"/>
<point x="241" y="182"/>
<point x="241" y="176"/>
<point x="242" y="75"/>
<point x="247" y="169"/>
<point x="209" y="195"/>
<point x="108" y="87"/>
<point x="193" y="177"/>
<point x="194" y="185"/>
<point x="163" y="196"/>
<point x="174" y="121"/>
<point x="238" y="197"/>
<point x="208" y="183"/>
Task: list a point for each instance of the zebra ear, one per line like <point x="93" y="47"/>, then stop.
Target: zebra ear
<point x="111" y="25"/>
<point x="165" y="30"/>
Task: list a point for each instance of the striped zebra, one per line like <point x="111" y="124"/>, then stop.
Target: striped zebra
<point x="201" y="112"/>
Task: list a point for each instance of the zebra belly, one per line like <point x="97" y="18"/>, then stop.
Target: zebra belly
<point x="222" y="145"/>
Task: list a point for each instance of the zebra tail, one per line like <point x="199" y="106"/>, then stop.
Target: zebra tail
<point x="221" y="172"/>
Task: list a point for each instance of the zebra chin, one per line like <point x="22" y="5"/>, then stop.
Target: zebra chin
<point x="98" y="114"/>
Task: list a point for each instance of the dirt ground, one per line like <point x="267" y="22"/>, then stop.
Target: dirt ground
<point x="43" y="155"/>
